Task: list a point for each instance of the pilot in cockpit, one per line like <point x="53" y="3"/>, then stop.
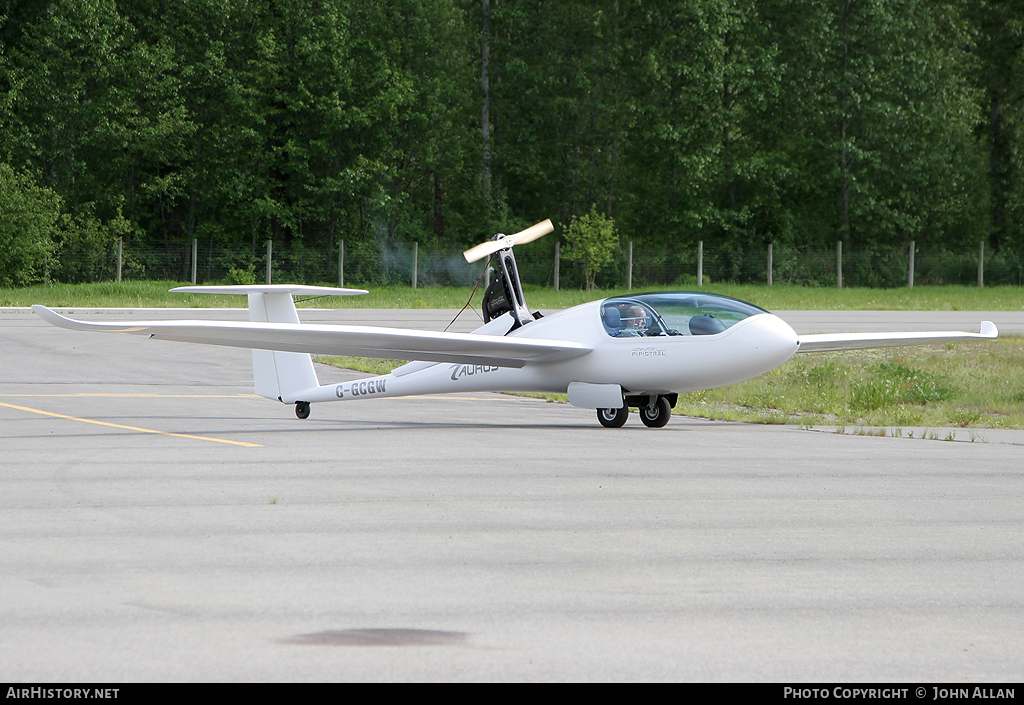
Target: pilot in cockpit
<point x="628" y="320"/>
<point x="635" y="321"/>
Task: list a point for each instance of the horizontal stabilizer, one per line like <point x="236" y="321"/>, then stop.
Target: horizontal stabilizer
<point x="827" y="342"/>
<point x="359" y="341"/>
<point x="293" y="289"/>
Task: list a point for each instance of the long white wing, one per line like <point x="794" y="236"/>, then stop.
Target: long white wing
<point x="361" y="341"/>
<point x="827" y="342"/>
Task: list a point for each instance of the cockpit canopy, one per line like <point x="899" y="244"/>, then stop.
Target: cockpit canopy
<point x="673" y="313"/>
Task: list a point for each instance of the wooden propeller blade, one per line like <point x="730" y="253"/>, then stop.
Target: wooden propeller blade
<point x="491" y="246"/>
<point x="533" y="232"/>
<point x="486" y="248"/>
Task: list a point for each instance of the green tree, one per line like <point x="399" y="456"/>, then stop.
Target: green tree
<point x="885" y="116"/>
<point x="559" y="106"/>
<point x="29" y="217"/>
<point x="999" y="32"/>
<point x="418" y="63"/>
<point x="591" y="240"/>
<point x="676" y="157"/>
<point x="93" y="107"/>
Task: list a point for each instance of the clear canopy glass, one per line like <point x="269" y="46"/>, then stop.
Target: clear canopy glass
<point x="673" y="313"/>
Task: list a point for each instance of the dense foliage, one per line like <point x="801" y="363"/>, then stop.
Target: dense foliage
<point x="591" y="240"/>
<point x="308" y="122"/>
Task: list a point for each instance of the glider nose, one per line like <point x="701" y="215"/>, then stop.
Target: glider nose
<point x="774" y="340"/>
<point x="748" y="349"/>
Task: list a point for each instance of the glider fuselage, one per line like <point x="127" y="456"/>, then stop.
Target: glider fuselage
<point x="660" y="363"/>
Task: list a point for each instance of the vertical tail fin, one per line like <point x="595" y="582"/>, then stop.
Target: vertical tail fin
<point x="277" y="375"/>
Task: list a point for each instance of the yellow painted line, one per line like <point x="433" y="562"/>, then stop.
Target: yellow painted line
<point x="141" y="396"/>
<point x="130" y="428"/>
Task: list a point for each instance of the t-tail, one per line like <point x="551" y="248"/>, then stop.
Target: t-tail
<point x="288" y="377"/>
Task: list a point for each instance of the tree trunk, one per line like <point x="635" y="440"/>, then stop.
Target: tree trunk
<point x="485" y="115"/>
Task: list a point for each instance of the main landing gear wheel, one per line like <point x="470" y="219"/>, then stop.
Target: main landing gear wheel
<point x="657" y="415"/>
<point x="613" y="418"/>
<point x="302" y="409"/>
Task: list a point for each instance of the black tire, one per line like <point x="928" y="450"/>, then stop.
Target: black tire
<point x="302" y="409"/>
<point x="657" y="416"/>
<point x="613" y="418"/>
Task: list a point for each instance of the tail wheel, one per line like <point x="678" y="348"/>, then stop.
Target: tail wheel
<point x="613" y="418"/>
<point x="657" y="415"/>
<point x="302" y="409"/>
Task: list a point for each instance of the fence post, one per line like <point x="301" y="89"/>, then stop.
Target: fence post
<point x="700" y="263"/>
<point x="270" y="253"/>
<point x="769" y="264"/>
<point x="415" y="261"/>
<point x="341" y="263"/>
<point x="195" y="253"/>
<point x="981" y="264"/>
<point x="557" y="264"/>
<point x="120" y="244"/>
<point x="629" y="266"/>
<point x="839" y="264"/>
<point x="910" y="268"/>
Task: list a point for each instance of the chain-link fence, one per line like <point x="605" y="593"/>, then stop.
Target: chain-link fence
<point x="379" y="264"/>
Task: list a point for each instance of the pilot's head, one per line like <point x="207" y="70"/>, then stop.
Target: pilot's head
<point x="636" y="317"/>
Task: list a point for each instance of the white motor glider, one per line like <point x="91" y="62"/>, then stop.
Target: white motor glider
<point x="638" y="350"/>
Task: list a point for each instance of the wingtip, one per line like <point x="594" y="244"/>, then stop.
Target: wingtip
<point x="989" y="330"/>
<point x="51" y="316"/>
